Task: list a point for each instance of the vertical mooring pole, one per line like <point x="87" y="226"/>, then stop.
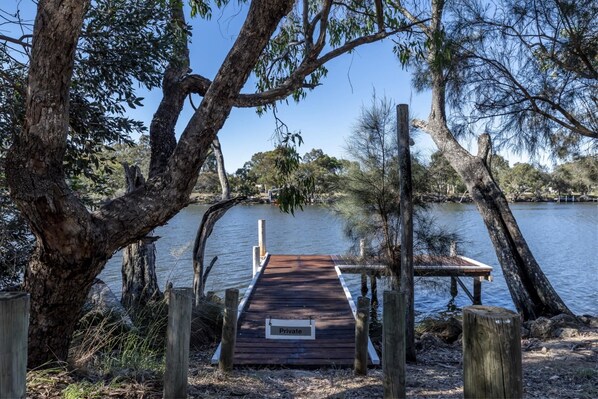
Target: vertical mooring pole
<point x="256" y="259"/>
<point x="491" y="353"/>
<point x="393" y="344"/>
<point x="362" y="328"/>
<point x="364" y="275"/>
<point x="454" y="289"/>
<point x="261" y="232"/>
<point x="374" y="289"/>
<point x="229" y="330"/>
<point x="177" y="345"/>
<point x="406" y="226"/>
<point x="14" y="326"/>
<point x="477" y="290"/>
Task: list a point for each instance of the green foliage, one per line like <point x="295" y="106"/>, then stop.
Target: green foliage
<point x="444" y="180"/>
<point x="370" y="205"/>
<point x="579" y="176"/>
<point x="522" y="178"/>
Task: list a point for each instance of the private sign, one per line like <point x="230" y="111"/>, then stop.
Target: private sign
<point x="290" y="329"/>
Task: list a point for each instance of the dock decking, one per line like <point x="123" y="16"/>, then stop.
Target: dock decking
<point x="302" y="287"/>
<point x="297" y="287"/>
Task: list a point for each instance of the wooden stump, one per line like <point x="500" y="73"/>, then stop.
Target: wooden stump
<point x="177" y="346"/>
<point x="362" y="327"/>
<point x="229" y="330"/>
<point x="393" y="345"/>
<point x="14" y="324"/>
<point x="491" y="353"/>
<point x="261" y="233"/>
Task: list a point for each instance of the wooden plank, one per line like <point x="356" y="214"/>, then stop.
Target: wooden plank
<point x="297" y="287"/>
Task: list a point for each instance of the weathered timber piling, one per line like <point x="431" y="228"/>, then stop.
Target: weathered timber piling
<point x="477" y="290"/>
<point x="362" y="327"/>
<point x="374" y="289"/>
<point x="454" y="289"/>
<point x="364" y="276"/>
<point x="177" y="345"/>
<point x="491" y="353"/>
<point x="393" y="344"/>
<point x="256" y="259"/>
<point x="229" y="330"/>
<point x="406" y="226"/>
<point x="261" y="232"/>
<point x="14" y="325"/>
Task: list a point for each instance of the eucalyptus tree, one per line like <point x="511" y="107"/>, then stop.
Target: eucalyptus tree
<point x="285" y="43"/>
<point x="441" y="72"/>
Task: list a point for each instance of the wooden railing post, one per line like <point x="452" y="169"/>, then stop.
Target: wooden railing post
<point x="477" y="290"/>
<point x="374" y="289"/>
<point x="393" y="344"/>
<point x="362" y="327"/>
<point x="261" y="231"/>
<point x="177" y="345"/>
<point x="256" y="259"/>
<point x="491" y="353"/>
<point x="454" y="288"/>
<point x="14" y="326"/>
<point x="229" y="330"/>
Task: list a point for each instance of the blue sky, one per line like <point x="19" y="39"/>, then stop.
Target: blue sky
<point x="325" y="118"/>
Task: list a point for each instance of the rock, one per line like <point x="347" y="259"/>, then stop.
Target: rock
<point x="429" y="341"/>
<point x="448" y="330"/>
<point x="566" y="332"/>
<point x="101" y="300"/>
<point x="539" y="328"/>
<point x="544" y="328"/>
<point x="590" y="321"/>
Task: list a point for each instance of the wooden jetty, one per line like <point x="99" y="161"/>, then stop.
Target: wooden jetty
<point x="297" y="287"/>
<point x="311" y="287"/>
<point x="455" y="267"/>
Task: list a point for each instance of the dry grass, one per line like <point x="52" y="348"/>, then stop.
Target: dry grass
<point x="560" y="368"/>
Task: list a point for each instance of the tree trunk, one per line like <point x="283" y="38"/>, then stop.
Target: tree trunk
<point x="530" y="290"/>
<point x="140" y="284"/>
<point x="54" y="312"/>
<point x="209" y="219"/>
<point x="221" y="169"/>
<point x="73" y="244"/>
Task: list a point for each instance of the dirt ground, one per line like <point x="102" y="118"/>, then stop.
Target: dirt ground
<point x="560" y="368"/>
<point x="563" y="368"/>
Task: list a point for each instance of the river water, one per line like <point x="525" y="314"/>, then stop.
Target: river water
<point x="563" y="237"/>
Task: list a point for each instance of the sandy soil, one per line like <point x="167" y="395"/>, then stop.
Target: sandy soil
<point x="563" y="368"/>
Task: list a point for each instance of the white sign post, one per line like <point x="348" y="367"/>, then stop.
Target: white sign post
<point x="290" y="329"/>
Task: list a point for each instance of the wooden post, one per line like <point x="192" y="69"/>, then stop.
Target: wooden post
<point x="261" y="232"/>
<point x="406" y="226"/>
<point x="14" y="326"/>
<point x="256" y="259"/>
<point x="393" y="344"/>
<point x="454" y="288"/>
<point x="229" y="329"/>
<point x="362" y="328"/>
<point x="362" y="248"/>
<point x="364" y="283"/>
<point x="177" y="343"/>
<point x="477" y="290"/>
<point x="491" y="353"/>
<point x="374" y="289"/>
